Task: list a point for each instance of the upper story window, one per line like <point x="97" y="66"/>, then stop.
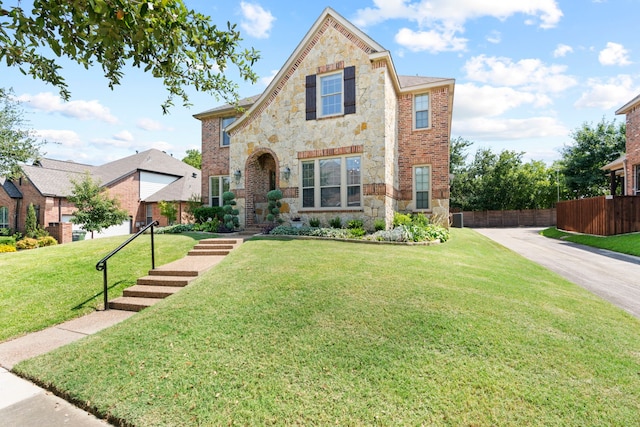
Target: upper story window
<point x="4" y="217"/>
<point x="225" y="138"/>
<point x="332" y="183"/>
<point x="421" y="111"/>
<point x="331" y="94"/>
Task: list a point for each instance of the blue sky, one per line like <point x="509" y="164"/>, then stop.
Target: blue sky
<point x="528" y="72"/>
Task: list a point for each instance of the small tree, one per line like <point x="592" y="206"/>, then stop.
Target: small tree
<point x="231" y="220"/>
<point x="194" y="202"/>
<point x="274" y="205"/>
<point x="193" y="158"/>
<point x="95" y="210"/>
<point x="31" y="223"/>
<point x="168" y="210"/>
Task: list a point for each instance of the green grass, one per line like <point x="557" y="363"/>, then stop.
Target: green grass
<point x="46" y="286"/>
<point x="298" y="332"/>
<point x="624" y="243"/>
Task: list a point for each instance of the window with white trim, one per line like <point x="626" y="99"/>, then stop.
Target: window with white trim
<point x="149" y="211"/>
<point x="636" y="174"/>
<point x="217" y="186"/>
<point x="421" y="111"/>
<point x="4" y="217"/>
<point x="332" y="183"/>
<point x="330" y="95"/>
<point x="422" y="187"/>
<point x="225" y="138"/>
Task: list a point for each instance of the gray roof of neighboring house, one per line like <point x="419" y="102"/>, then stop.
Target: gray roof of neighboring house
<point x="408" y="81"/>
<point x="53" y="177"/>
<point x="244" y="103"/>
<point x="629" y="105"/>
<point x="10" y="189"/>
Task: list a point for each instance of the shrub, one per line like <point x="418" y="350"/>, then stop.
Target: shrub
<point x="212" y="226"/>
<point x="7" y="248"/>
<point x="314" y="222"/>
<point x="401" y="219"/>
<point x="47" y="241"/>
<point x="230" y="218"/>
<point x="204" y="213"/>
<point x="175" y="229"/>
<point x="420" y="219"/>
<point x="8" y="240"/>
<point x="379" y="224"/>
<point x="335" y="222"/>
<point x="5" y="232"/>
<point x="356" y="232"/>
<point x="168" y="210"/>
<point x="274" y="205"/>
<point x="27" y="243"/>
<point x="355" y="223"/>
<point x="31" y="222"/>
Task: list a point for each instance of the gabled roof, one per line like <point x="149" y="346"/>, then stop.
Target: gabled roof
<point x="69" y="166"/>
<point x="10" y="189"/>
<point x="375" y="50"/>
<point x="149" y="161"/>
<point x="629" y="105"/>
<point x="51" y="182"/>
<point x="181" y="189"/>
<point x="244" y="103"/>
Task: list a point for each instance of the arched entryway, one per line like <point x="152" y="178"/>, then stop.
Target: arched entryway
<point x="261" y="177"/>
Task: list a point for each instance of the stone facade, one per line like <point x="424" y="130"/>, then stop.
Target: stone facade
<point x="272" y="139"/>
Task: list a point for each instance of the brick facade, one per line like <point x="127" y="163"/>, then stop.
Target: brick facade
<point x="633" y="149"/>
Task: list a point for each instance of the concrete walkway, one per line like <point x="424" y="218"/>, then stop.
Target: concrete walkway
<point x="612" y="276"/>
<point x="23" y="404"/>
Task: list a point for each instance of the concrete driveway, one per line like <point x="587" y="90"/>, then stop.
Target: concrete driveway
<point x="612" y="276"/>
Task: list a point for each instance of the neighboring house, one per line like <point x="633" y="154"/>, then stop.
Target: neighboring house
<point x="338" y="131"/>
<point x="630" y="163"/>
<point x="139" y="182"/>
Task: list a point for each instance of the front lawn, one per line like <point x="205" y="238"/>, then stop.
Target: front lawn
<point x="298" y="332"/>
<point x="624" y="243"/>
<point x="46" y="286"/>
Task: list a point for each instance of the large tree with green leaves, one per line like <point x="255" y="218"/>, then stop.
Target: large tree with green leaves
<point x="95" y="209"/>
<point x="17" y="142"/>
<point x="193" y="158"/>
<point x="594" y="146"/>
<point x="180" y="46"/>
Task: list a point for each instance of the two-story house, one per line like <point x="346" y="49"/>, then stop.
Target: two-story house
<point x="630" y="162"/>
<point x="338" y="131"/>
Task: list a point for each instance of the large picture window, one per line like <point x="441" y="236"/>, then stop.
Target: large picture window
<point x="225" y="139"/>
<point x="422" y="187"/>
<point x="217" y="186"/>
<point x="332" y="183"/>
<point x="4" y="217"/>
<point x="421" y="111"/>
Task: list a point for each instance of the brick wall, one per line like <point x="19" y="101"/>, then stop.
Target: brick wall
<point x="215" y="159"/>
<point x="633" y="146"/>
<point x="127" y="191"/>
<point x="31" y="195"/>
<point x="424" y="147"/>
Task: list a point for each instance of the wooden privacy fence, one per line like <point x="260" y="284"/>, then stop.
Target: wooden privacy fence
<point x="515" y="218"/>
<point x="603" y="216"/>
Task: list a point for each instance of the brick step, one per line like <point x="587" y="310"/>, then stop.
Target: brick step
<point x="132" y="303"/>
<point x="212" y="246"/>
<point x="148" y="291"/>
<point x="179" y="273"/>
<point x="177" y="281"/>
<point x="221" y="241"/>
<point x="200" y="252"/>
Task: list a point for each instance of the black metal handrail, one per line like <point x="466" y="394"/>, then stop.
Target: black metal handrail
<point x="102" y="264"/>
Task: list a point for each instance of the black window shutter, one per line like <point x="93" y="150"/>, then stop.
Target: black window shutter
<point x="350" y="90"/>
<point x="310" y="85"/>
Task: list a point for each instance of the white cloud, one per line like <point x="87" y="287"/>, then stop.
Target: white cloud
<point x="448" y="17"/>
<point x="501" y="129"/>
<point x="432" y="41"/>
<point x="83" y="110"/>
<point x="256" y="21"/>
<point x="606" y="94"/>
<point x="528" y="74"/>
<point x="614" y="54"/>
<point x="65" y="138"/>
<point x="267" y="79"/>
<point x="473" y="101"/>
<point x="152" y="125"/>
<point x="494" y="37"/>
<point x="562" y="50"/>
<point x="124" y="135"/>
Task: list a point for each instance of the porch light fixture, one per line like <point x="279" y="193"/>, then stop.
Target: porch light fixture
<point x="286" y="173"/>
<point x="237" y="175"/>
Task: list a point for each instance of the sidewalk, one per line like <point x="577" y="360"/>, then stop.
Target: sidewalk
<point x="23" y="404"/>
